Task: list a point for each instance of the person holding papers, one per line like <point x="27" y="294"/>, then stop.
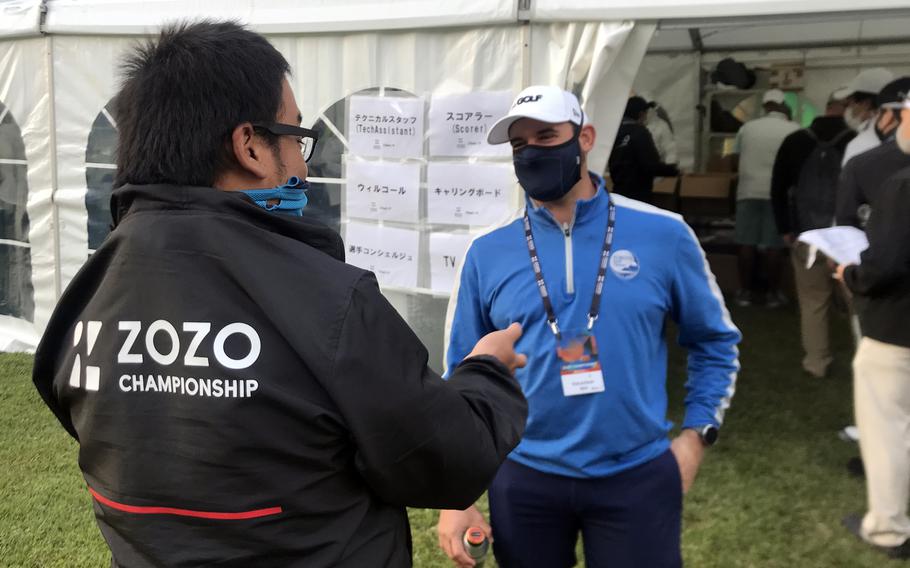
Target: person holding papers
<point x="881" y="367"/>
<point x="803" y="187"/>
<point x="593" y="278"/>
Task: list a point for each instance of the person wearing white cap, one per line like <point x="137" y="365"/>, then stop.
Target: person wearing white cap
<point x="881" y="367"/>
<point x="862" y="110"/>
<point x="757" y="143"/>
<point x="592" y="277"/>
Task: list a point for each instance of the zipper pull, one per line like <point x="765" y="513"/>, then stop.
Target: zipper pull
<point x="566" y="229"/>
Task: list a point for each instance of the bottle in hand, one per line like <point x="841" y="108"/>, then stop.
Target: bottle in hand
<point x="476" y="544"/>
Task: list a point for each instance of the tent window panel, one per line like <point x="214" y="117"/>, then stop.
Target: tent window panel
<point x="98" y="203"/>
<point x="324" y="204"/>
<point x="13" y="200"/>
<point x="102" y="140"/>
<point x="17" y="298"/>
<point x="100" y="159"/>
<point x="11" y="144"/>
<point x="325" y="199"/>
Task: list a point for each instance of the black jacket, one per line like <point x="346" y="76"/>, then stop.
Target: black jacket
<point x="862" y="180"/>
<point x="792" y="155"/>
<point x="634" y="162"/>
<point x="881" y="282"/>
<point x="242" y="397"/>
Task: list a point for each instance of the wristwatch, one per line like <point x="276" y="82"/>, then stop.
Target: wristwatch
<point x="708" y="433"/>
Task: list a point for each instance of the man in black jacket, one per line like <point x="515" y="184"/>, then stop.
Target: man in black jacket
<point x="863" y="176"/>
<point x="242" y="397"/>
<point x="881" y="367"/>
<point x="634" y="161"/>
<point x="803" y="198"/>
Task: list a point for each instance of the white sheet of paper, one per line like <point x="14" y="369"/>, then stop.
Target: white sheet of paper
<point x="447" y="251"/>
<point x="386" y="191"/>
<point x="469" y="194"/>
<point x="841" y="244"/>
<point x="389" y="252"/>
<point x="459" y="124"/>
<point x="386" y="127"/>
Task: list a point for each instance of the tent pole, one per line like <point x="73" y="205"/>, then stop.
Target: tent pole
<point x="525" y="55"/>
<point x="52" y="115"/>
<point x="699" y="114"/>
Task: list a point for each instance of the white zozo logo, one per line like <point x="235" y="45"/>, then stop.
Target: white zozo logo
<point x="92" y="374"/>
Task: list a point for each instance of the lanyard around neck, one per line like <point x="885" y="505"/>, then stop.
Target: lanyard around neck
<point x="601" y="272"/>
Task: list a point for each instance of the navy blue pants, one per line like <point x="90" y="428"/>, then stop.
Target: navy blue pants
<point x="629" y="520"/>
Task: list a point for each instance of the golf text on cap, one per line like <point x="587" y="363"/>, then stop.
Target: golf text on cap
<point x="528" y="99"/>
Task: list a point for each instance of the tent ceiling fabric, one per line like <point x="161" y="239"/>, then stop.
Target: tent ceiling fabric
<point x="568" y="10"/>
<point x="99" y="17"/>
<point x="746" y="35"/>
<point x="19" y="18"/>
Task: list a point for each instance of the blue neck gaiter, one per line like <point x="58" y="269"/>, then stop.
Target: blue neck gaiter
<point x="291" y="197"/>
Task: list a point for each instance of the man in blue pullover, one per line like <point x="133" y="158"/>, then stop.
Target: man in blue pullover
<point x="592" y="278"/>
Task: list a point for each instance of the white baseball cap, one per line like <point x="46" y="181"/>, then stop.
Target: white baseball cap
<point x="540" y="102"/>
<point x="774" y="96"/>
<point x="839" y="94"/>
<point x="870" y="81"/>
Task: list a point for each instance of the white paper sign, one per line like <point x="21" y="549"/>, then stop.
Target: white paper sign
<point x="459" y="124"/>
<point x="446" y="254"/>
<point x="842" y="244"/>
<point x="389" y="252"/>
<point x="386" y="127"/>
<point x="469" y="194"/>
<point x="387" y="191"/>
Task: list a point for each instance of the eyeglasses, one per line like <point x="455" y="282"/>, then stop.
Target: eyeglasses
<point x="305" y="137"/>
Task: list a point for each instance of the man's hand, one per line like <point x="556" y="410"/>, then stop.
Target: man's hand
<point x="689" y="451"/>
<point x="839" y="272"/>
<point x="451" y="529"/>
<point x="501" y="344"/>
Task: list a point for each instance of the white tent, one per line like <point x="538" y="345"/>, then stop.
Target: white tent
<point x="58" y="72"/>
<point x="832" y="41"/>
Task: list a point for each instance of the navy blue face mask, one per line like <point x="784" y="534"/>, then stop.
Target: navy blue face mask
<point x="547" y="173"/>
<point x="291" y="197"/>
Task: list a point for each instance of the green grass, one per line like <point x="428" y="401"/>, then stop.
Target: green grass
<point x="771" y="494"/>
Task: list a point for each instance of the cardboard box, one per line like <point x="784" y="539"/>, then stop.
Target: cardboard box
<point x="710" y="185"/>
<point x="721" y="164"/>
<point x="786" y="76"/>
<point x="666" y="185"/>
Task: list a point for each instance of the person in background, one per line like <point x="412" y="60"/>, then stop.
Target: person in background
<point x="860" y="191"/>
<point x="862" y="177"/>
<point x="803" y="191"/>
<point x="862" y="110"/>
<point x="881" y="368"/>
<point x="756" y="148"/>
<point x="634" y="161"/>
<point x="593" y="278"/>
<point x="661" y="129"/>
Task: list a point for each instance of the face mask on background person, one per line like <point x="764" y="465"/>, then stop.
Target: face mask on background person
<point x="854" y="122"/>
<point x="289" y="199"/>
<point x="548" y="173"/>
